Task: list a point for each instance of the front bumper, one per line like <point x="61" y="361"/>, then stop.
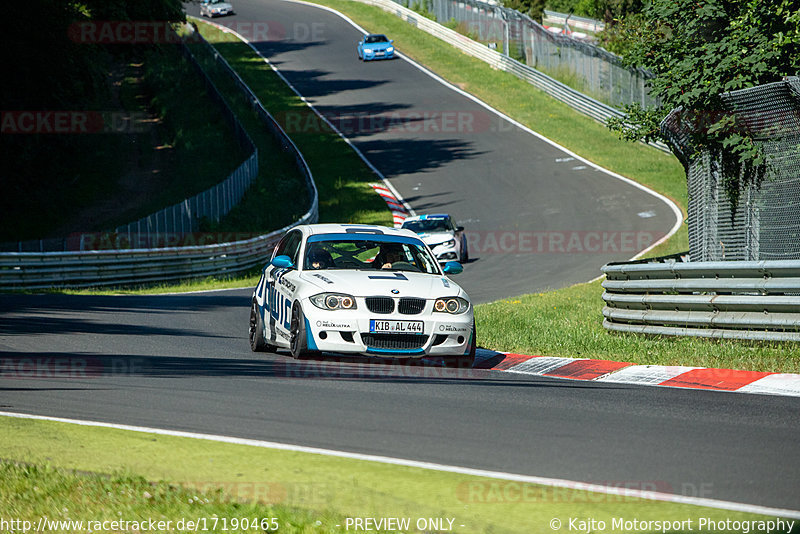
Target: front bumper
<point x="378" y="55"/>
<point x="348" y="331"/>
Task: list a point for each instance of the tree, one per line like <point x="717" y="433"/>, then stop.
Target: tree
<point x="700" y="49"/>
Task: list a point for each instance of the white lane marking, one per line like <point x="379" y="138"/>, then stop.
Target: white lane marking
<point x="676" y="211"/>
<point x="579" y="167"/>
<point x="314" y="109"/>
<point x="646" y="214"/>
<point x="562" y="160"/>
<point x="544" y="481"/>
<point x="777" y="384"/>
<point x="646" y="374"/>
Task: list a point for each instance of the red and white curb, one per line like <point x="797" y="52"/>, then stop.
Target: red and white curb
<point x="650" y="375"/>
<point x="399" y="211"/>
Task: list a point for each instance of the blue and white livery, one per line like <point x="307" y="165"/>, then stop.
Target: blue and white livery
<point x="361" y="289"/>
<point x="446" y="240"/>
<point x="375" y="46"/>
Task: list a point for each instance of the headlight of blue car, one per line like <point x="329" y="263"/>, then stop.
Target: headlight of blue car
<point x="333" y="301"/>
<point x="390" y="50"/>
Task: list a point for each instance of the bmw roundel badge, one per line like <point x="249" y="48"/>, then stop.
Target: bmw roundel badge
<point x="395" y="291"/>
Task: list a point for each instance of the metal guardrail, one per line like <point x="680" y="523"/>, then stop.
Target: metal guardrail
<point x="575" y="21"/>
<point x="36" y="270"/>
<point x="758" y="300"/>
<point x="573" y="98"/>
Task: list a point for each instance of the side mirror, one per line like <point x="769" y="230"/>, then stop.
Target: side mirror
<point x="282" y="262"/>
<point x="459" y="228"/>
<point x="453" y="267"/>
<point x="391" y="41"/>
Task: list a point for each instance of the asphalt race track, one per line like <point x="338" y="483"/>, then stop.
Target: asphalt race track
<point x="182" y="362"/>
<point x="445" y="153"/>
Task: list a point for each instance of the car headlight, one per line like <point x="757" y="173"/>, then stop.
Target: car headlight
<point x="454" y="305"/>
<point x="450" y="243"/>
<point x="390" y="49"/>
<point x="369" y="51"/>
<point x="333" y="301"/>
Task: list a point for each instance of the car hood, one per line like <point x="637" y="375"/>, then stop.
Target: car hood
<point x="377" y="46"/>
<point x="381" y="282"/>
<point x="435" y="238"/>
<point x="221" y="5"/>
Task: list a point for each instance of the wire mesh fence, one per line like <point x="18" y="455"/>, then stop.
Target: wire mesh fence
<point x="763" y="223"/>
<point x="588" y="68"/>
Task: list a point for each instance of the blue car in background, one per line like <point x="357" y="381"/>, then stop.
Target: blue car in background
<point x="375" y="46"/>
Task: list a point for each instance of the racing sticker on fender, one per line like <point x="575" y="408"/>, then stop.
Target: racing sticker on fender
<point x="395" y="327"/>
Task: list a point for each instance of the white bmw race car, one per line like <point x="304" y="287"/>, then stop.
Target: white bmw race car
<point x="361" y="289"/>
<point x="446" y="240"/>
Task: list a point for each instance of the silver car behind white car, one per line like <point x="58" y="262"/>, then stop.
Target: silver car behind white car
<point x="447" y="241"/>
<point x="215" y="8"/>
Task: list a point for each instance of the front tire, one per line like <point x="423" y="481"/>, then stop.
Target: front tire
<point x="298" y="345"/>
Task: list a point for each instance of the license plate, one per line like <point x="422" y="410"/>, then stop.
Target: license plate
<point x="378" y="53"/>
<point x="395" y="327"/>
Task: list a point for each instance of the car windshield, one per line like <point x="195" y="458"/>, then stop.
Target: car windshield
<point x="376" y="39"/>
<point x="390" y="253"/>
<point x="427" y="225"/>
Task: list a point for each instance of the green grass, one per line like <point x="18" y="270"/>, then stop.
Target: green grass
<point x="313" y="492"/>
<point x="199" y="284"/>
<point x="568" y="323"/>
<point x="77" y="502"/>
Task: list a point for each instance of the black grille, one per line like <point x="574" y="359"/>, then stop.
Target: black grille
<point x="394" y="341"/>
<point x="380" y="304"/>
<point x="411" y="306"/>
